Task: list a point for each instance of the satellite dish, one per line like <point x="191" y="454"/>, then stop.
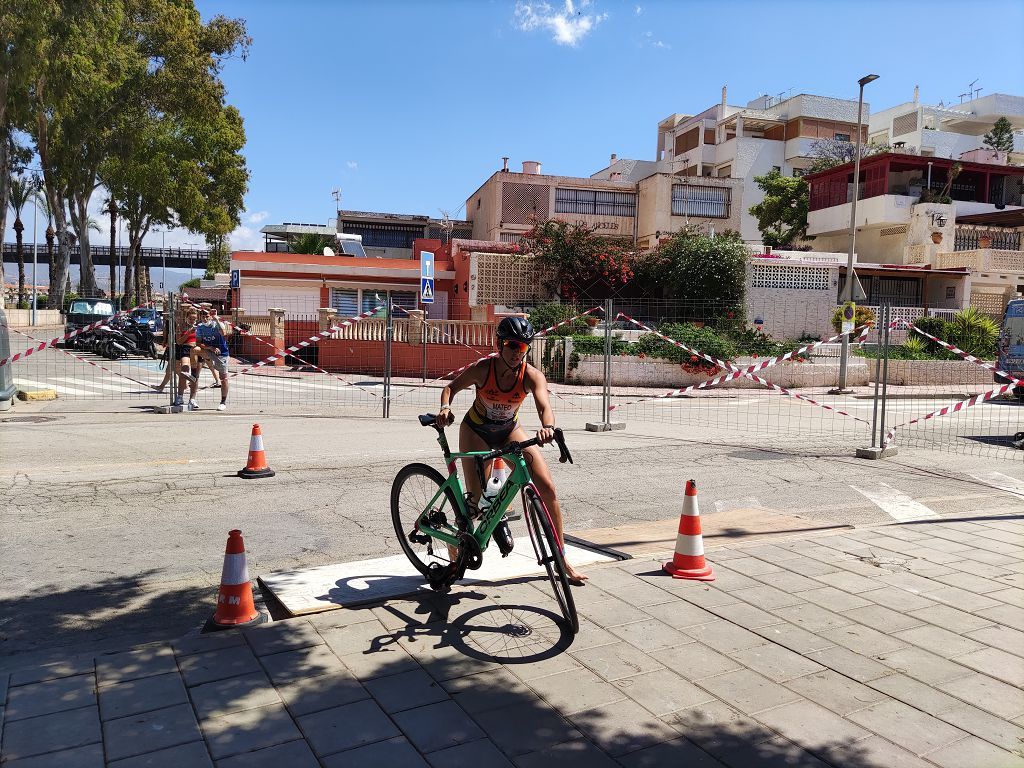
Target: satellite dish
<point x="328" y="251"/>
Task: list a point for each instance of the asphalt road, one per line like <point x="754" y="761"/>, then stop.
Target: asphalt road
<point x="115" y="518"/>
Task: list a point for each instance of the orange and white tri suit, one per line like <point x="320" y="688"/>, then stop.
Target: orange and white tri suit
<point x="494" y="414"/>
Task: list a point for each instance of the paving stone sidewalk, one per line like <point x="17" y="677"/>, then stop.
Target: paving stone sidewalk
<point x="900" y="645"/>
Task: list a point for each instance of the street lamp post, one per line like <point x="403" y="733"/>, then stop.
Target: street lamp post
<point x="163" y="260"/>
<point x="850" y="277"/>
<point x="35" y="251"/>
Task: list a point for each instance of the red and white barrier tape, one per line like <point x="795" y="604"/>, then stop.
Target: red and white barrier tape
<point x="735" y="372"/>
<point x="452" y="374"/>
<point x="970" y="402"/>
<point x="43" y="345"/>
<point x="955" y="407"/>
<point x="92" y="363"/>
<point x="78" y="331"/>
<point x="573" y="319"/>
<point x="319" y="336"/>
<point x="967" y="356"/>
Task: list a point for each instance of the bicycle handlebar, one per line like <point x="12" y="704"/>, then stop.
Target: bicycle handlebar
<point x="430" y="420"/>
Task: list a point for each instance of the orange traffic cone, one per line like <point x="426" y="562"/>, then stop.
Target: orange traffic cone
<point x="256" y="466"/>
<point x="235" y="606"/>
<point x="688" y="561"/>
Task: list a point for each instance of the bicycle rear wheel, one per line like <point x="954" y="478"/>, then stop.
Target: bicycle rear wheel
<point x="549" y="554"/>
<point x="414" y="486"/>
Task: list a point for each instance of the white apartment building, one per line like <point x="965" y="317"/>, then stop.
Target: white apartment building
<point x="731" y="142"/>
<point x="948" y="131"/>
<point x="638" y="202"/>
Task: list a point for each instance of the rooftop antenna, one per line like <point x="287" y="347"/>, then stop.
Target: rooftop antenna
<point x="447" y="225"/>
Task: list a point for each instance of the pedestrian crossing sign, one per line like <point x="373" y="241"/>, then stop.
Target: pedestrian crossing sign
<point x="427" y="290"/>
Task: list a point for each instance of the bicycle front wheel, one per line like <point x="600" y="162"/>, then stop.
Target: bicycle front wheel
<point x="411" y="494"/>
<point x="549" y="554"/>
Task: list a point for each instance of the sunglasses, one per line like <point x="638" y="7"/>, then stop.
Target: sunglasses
<point x="515" y="346"/>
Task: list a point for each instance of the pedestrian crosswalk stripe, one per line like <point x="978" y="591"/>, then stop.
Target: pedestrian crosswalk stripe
<point x="1002" y="482"/>
<point x="61" y="389"/>
<point x="896" y="504"/>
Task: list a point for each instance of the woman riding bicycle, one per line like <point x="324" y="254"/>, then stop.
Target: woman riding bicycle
<point x="502" y="383"/>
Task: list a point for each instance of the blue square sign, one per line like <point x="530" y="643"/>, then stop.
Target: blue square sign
<point x="426" y="290"/>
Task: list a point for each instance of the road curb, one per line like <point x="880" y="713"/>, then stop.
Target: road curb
<point x="31" y="395"/>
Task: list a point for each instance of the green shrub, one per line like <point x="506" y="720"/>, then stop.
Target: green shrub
<point x="974" y="332"/>
<point x="861" y="316"/>
<point x="594" y="345"/>
<point x="707" y="340"/>
<point x="549" y="314"/>
<point x="916" y="345"/>
<point x="936" y="326"/>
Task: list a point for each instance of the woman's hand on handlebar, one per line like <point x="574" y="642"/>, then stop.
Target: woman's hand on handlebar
<point x="545" y="435"/>
<point x="444" y="417"/>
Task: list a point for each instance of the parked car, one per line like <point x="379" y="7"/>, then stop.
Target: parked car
<point x="151" y="317"/>
<point x="1010" y="355"/>
<point x="83" y="312"/>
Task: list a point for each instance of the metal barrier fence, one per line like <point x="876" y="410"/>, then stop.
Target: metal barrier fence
<point x="767" y="371"/>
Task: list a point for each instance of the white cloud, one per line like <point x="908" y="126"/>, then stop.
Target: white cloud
<point x="352" y="164"/>
<point x="244" y="238"/>
<point x="660" y="44"/>
<point x="567" y="26"/>
<point x="256" y="218"/>
<point x="638" y="10"/>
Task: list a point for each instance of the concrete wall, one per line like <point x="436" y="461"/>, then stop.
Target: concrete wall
<point x="22" y="318"/>
<point x="924" y="373"/>
<point x="654" y="208"/>
<point x="753" y="157"/>
<point x="791" y="312"/>
<point x="821" y="108"/>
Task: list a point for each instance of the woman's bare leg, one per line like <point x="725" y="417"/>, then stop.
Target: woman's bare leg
<point x="546" y="487"/>
<point x="469" y="441"/>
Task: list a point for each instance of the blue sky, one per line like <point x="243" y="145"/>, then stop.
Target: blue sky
<point x="409" y="106"/>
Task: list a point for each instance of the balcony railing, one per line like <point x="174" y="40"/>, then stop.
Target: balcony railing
<point x="982" y="259"/>
<point x="1004" y="240"/>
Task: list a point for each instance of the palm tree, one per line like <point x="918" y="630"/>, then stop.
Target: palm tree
<point x="51" y="234"/>
<point x="111" y="208"/>
<point x="20" y="192"/>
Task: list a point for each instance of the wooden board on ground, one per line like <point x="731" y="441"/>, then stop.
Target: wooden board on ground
<point x="328" y="587"/>
<point x="717" y="528"/>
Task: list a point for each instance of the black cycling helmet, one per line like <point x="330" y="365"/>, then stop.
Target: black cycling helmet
<point x="517" y="328"/>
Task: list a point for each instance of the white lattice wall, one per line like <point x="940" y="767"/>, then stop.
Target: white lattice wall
<point x="781" y="276"/>
<point x="505" y="279"/>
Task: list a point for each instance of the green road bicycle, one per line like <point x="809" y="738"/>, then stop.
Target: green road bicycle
<point x="444" y="535"/>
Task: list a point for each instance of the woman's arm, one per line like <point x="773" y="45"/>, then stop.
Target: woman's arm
<point x="468" y="378"/>
<point x="538" y="385"/>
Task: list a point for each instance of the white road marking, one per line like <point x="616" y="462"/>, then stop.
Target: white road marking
<point x="1002" y="482"/>
<point x="896" y="504"/>
<point x="105" y="386"/>
<point x="60" y="388"/>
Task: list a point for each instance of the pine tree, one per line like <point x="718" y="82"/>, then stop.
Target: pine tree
<point x="1000" y="138"/>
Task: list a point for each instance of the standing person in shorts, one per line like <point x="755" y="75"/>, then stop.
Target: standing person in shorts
<point x="212" y="349"/>
<point x="185" y="343"/>
<point x="502" y="383"/>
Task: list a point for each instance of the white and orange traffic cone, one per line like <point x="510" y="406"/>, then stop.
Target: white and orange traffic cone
<point x="256" y="466"/>
<point x="235" y="605"/>
<point x="688" y="561"/>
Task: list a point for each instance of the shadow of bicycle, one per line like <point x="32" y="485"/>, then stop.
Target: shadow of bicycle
<point x="470" y="623"/>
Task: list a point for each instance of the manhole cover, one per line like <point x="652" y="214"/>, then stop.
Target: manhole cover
<point x="31" y="419"/>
